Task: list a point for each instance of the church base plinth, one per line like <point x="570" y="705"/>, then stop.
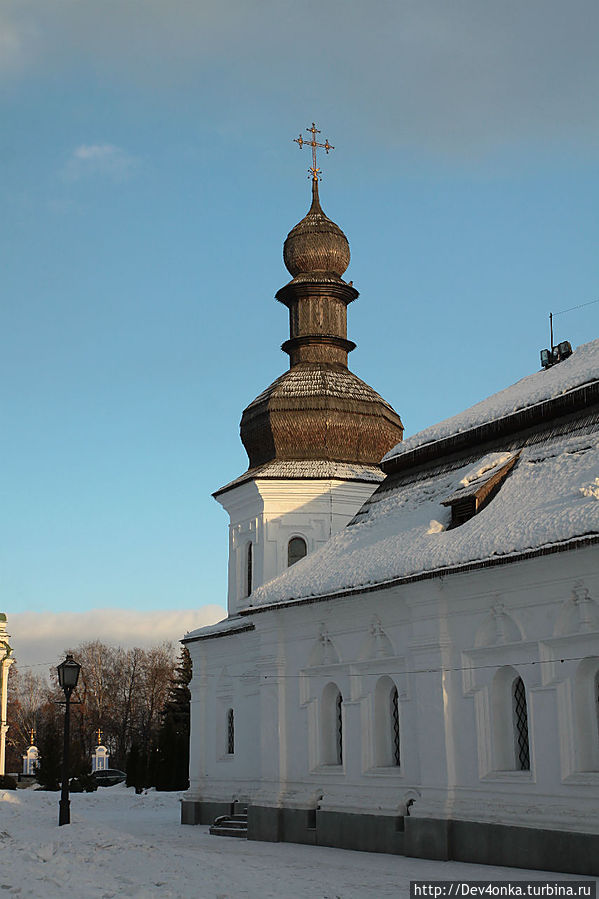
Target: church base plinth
<point x="198" y="812"/>
<point x="464" y="841"/>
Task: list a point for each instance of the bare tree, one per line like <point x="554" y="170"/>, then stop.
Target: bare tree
<point x="28" y="695"/>
<point x="122" y="692"/>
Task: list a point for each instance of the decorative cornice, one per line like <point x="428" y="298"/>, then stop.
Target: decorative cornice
<point x="307" y="286"/>
<point x="316" y="340"/>
<point x="229" y="633"/>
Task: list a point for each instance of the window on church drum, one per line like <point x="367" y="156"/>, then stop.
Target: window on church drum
<point x="339" y="728"/>
<point x="230" y="732"/>
<point x="296" y="550"/>
<point x="249" y="569"/>
<point x="395" y="727"/>
<point x="520" y="725"/>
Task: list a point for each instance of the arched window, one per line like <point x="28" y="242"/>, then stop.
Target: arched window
<point x="587" y="714"/>
<point x="296" y="550"/>
<point x="395" y="727"/>
<point x="249" y="569"/>
<point x="386" y="724"/>
<point x="511" y="747"/>
<point x="331" y="726"/>
<point x="520" y="713"/>
<point x="231" y="731"/>
<point x="339" y="729"/>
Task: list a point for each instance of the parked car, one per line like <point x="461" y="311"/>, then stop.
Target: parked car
<point x="109" y="777"/>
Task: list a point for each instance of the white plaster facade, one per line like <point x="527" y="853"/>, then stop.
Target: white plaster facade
<point x="452" y="646"/>
<point x="100" y="758"/>
<point x="476" y="639"/>
<point x="6" y="661"/>
<point x="31" y="760"/>
<point x="267" y="513"/>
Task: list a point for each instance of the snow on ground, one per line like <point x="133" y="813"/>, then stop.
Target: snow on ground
<point x="120" y="844"/>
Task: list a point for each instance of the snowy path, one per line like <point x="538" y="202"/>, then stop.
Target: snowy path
<point x="122" y="845"/>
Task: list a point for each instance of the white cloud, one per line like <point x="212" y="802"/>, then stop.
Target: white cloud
<point x="100" y="159"/>
<point x="39" y="639"/>
<point x="425" y="73"/>
<point x="18" y="41"/>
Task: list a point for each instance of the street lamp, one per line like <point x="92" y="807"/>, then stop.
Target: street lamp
<point x="68" y="675"/>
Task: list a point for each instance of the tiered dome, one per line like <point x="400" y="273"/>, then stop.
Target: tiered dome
<point x="318" y="410"/>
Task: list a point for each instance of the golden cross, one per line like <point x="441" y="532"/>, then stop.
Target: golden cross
<point x="32" y="736"/>
<point x="99" y="733"/>
<point x="314" y="144"/>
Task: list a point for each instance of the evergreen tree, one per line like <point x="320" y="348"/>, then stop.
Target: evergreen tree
<point x="48" y="772"/>
<point x="136" y="768"/>
<point x="171" y="766"/>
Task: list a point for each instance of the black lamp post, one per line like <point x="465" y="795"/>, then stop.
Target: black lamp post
<point x="68" y="675"/>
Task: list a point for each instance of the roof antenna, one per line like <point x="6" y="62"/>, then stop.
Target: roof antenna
<point x="556" y="353"/>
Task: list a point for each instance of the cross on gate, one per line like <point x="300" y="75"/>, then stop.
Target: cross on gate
<point x="314" y="144"/>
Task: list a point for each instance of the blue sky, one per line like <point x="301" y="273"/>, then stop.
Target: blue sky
<point x="148" y="180"/>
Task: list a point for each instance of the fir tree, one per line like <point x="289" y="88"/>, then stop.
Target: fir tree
<point x="171" y="767"/>
<point x="48" y="772"/>
<point x="136" y="769"/>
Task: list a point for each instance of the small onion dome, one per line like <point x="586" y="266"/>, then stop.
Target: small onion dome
<point x="316" y="244"/>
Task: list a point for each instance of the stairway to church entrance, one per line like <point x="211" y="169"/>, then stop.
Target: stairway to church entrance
<point x="234" y="825"/>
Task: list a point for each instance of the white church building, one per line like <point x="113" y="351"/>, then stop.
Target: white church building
<point x="410" y="662"/>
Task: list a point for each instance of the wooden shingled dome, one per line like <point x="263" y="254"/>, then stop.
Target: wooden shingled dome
<point x="318" y="410"/>
<point x="316" y="244"/>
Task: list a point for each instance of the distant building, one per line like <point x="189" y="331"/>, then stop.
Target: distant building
<point x="426" y="681"/>
<point x="6" y="661"/>
<point x="31" y="758"/>
<point x="100" y="756"/>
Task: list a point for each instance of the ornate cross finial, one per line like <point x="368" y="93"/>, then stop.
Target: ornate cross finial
<point x="99" y="733"/>
<point x="314" y="144"/>
<point x="32" y="736"/>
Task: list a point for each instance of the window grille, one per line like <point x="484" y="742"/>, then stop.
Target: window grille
<point x="249" y="571"/>
<point x="521" y="726"/>
<point x="339" y="729"/>
<point x="296" y="550"/>
<point x="395" y="726"/>
<point x="230" y="732"/>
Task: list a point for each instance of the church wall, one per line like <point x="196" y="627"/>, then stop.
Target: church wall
<point x="446" y="644"/>
<point x="268" y="512"/>
<point x="225" y="678"/>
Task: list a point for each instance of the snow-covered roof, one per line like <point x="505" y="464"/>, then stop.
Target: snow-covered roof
<point x="231" y="625"/>
<point x="581" y="367"/>
<point x="316" y="469"/>
<point x="550" y="498"/>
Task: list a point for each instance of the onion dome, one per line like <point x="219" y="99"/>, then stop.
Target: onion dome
<point x="316" y="244"/>
<point x="319" y="411"/>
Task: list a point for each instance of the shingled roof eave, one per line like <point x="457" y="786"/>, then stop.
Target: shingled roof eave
<point x="573" y="543"/>
<point x="577" y="399"/>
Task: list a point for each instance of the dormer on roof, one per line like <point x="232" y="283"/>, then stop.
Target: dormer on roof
<point x="479" y="487"/>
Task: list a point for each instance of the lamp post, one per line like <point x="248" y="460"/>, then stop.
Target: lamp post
<point x="68" y="675"/>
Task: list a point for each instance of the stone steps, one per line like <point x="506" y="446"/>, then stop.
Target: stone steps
<point x="230" y="826"/>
